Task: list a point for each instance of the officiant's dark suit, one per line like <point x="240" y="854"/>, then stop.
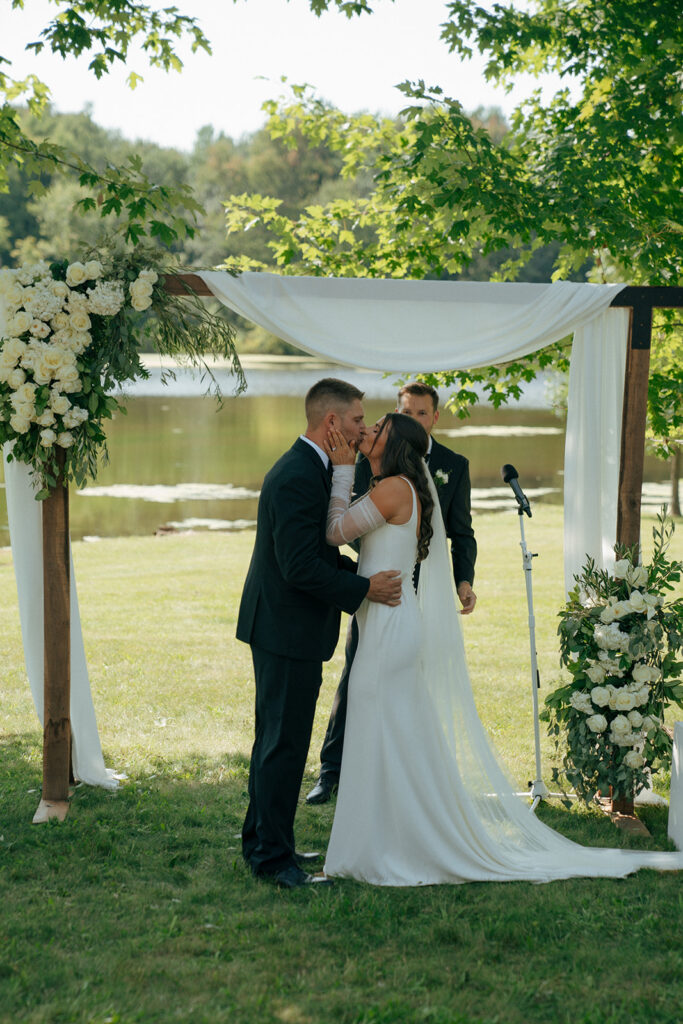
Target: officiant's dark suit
<point x="296" y="586"/>
<point x="451" y="475"/>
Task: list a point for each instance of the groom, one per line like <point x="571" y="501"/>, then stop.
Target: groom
<point x="296" y="586"/>
<point x="450" y="473"/>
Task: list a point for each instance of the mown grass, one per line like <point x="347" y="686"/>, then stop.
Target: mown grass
<point x="138" y="908"/>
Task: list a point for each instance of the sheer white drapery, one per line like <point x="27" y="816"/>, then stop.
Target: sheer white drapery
<point x="25" y="516"/>
<point x="413" y="326"/>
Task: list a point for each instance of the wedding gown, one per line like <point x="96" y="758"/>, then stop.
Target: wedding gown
<point x="422" y="797"/>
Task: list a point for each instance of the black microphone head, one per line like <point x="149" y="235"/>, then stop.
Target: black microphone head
<point x="508" y="473"/>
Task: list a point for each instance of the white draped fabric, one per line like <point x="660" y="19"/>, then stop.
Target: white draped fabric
<point x="25" y="516"/>
<point x="413" y="326"/>
<point x="676" y="793"/>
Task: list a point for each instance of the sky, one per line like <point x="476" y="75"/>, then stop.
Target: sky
<point x="354" y="63"/>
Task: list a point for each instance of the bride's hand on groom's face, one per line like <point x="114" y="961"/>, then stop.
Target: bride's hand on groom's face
<point x="341" y="453"/>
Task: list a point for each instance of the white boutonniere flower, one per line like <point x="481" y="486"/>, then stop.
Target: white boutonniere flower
<point x="441" y="478"/>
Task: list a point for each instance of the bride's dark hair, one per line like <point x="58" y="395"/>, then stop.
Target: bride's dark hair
<point x="403" y="455"/>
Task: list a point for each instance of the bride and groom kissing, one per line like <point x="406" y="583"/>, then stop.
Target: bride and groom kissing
<point x="298" y="584"/>
<point x="422" y="798"/>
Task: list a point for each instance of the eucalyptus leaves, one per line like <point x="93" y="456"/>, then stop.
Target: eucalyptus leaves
<point x="70" y="336"/>
<point x="620" y="636"/>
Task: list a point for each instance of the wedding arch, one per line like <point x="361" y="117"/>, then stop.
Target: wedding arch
<point x="380" y="324"/>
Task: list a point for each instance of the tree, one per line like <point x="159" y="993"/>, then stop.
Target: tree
<point x="596" y="171"/>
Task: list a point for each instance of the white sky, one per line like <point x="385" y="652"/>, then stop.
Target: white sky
<point x="355" y="63"/>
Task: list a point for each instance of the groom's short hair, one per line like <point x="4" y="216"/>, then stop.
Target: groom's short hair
<point x="420" y="389"/>
<point x="329" y="393"/>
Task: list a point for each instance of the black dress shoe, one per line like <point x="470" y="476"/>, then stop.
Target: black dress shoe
<point x="293" y="877"/>
<point x="324" y="789"/>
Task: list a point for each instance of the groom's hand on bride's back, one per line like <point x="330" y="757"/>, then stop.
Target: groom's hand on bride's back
<point x="385" y="587"/>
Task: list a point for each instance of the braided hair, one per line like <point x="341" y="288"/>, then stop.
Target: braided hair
<point x="403" y="455"/>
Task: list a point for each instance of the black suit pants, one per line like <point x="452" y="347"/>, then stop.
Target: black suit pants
<point x="286" y="694"/>
<point x="333" y="744"/>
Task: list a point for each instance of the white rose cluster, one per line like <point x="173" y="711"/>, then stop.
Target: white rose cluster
<point x="141" y="290"/>
<point x="48" y="325"/>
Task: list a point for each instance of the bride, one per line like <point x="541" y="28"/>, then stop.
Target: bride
<point x="422" y="797"/>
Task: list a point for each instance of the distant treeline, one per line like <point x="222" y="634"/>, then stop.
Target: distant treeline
<point x="216" y="168"/>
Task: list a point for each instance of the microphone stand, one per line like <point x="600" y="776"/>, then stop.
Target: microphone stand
<point x="539" y="791"/>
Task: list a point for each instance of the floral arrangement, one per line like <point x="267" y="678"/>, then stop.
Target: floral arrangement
<point x="441" y="478"/>
<point x="619" y="638"/>
<point x="70" y="337"/>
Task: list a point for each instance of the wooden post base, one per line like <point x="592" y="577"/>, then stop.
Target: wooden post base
<point x="49" y="809"/>
<point x="626" y="822"/>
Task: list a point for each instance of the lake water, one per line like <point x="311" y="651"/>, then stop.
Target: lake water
<point x="178" y="461"/>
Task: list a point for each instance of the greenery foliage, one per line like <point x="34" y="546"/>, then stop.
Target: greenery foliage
<point x="620" y="639"/>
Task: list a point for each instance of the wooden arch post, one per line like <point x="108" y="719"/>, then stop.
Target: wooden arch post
<point x="641" y="301"/>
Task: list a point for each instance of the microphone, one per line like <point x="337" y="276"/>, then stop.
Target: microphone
<point x="511" y="476"/>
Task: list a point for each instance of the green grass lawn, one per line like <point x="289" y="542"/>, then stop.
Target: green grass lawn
<point x="138" y="907"/>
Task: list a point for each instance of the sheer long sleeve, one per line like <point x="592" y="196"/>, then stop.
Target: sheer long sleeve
<point x="347" y="522"/>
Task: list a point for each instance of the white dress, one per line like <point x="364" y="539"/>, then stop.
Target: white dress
<point x="404" y="815"/>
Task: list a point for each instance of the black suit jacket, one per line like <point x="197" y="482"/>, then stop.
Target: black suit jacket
<point x="454" y="498"/>
<point x="297" y="583"/>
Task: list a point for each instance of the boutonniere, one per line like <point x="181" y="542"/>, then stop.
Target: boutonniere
<point x="441" y="478"/>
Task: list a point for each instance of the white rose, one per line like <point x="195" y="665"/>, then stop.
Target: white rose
<point x="60" y="289"/>
<point x="148" y="275"/>
<point x="26" y="393"/>
<point x="634" y="759"/>
<point x="59" y="403"/>
<point x="46" y="419"/>
<point x="600" y="696"/>
<point x="47" y="437"/>
<point x="140" y="304"/>
<point x="642" y="696"/>
<point x="75" y="274"/>
<point x="621" y="726"/>
<point x="641" y="673"/>
<point x="596" y="723"/>
<point x="636" y="719"/>
<point x="13" y="349"/>
<point x="19" y="423"/>
<point x="42" y="373"/>
<point x="93" y="269"/>
<point x="638" y="576"/>
<point x="79" y="320"/>
<point x="142" y="286"/>
<point x="14" y="296"/>
<point x="581" y="702"/>
<point x="74" y="417"/>
<point x="16" y="378"/>
<point x="69" y="380"/>
<point x="622" y="608"/>
<point x="649" y="723"/>
<point x="624" y="701"/>
<point x="65" y="439"/>
<point x="655" y="673"/>
<point x="60" y="321"/>
<point x="621" y="568"/>
<point x="39" y="329"/>
<point x="596" y="673"/>
<point x="19" y="324"/>
<point x="607" y="614"/>
<point x="637" y="602"/>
